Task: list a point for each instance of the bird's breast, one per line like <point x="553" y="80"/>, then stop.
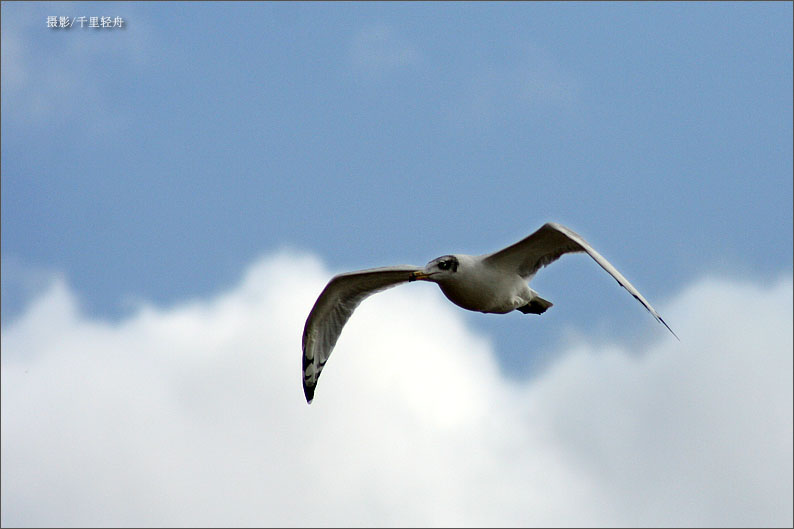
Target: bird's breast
<point x="481" y="293"/>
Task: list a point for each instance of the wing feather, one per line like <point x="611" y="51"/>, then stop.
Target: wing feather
<point x="547" y="245"/>
<point x="333" y="308"/>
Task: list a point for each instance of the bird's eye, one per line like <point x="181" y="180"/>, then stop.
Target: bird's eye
<point x="443" y="265"/>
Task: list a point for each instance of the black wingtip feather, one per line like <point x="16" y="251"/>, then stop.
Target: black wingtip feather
<point x="669" y="329"/>
<point x="309" y="392"/>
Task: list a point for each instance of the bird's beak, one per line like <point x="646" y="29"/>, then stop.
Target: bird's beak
<point x="418" y="276"/>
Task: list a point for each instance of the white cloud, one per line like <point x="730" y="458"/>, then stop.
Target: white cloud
<point x="530" y="80"/>
<point x="194" y="415"/>
<point x="377" y="50"/>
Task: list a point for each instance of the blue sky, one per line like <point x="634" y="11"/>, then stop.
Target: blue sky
<point x="158" y="160"/>
<point x="154" y="165"/>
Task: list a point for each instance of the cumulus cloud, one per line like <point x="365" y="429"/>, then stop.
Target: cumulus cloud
<point x="194" y="415"/>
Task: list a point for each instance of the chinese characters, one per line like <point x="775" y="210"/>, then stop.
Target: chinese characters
<point x="85" y="22"/>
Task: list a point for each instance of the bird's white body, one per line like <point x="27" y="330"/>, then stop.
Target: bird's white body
<point x="482" y="288"/>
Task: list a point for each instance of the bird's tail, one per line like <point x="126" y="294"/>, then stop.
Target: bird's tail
<point x="538" y="305"/>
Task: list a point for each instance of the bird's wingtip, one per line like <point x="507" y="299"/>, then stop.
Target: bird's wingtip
<point x="669" y="329"/>
<point x="309" y="393"/>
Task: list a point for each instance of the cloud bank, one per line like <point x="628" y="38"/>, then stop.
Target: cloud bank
<point x="194" y="415"/>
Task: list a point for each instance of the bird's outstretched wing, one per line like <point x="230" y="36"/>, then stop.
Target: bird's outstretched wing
<point x="333" y="308"/>
<point x="547" y="245"/>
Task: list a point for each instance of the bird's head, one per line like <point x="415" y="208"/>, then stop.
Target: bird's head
<point x="438" y="269"/>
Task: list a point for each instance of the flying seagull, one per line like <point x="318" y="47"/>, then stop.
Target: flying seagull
<point x="493" y="283"/>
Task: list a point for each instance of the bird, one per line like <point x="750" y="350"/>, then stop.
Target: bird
<point x="495" y="283"/>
